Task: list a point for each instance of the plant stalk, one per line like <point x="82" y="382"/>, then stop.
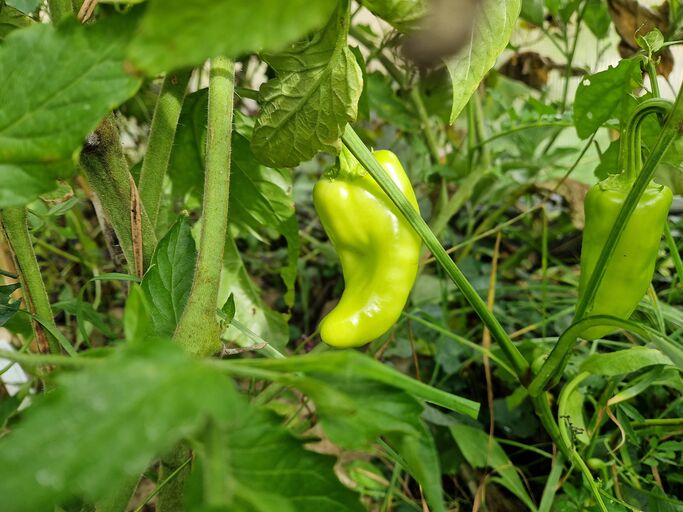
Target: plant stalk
<point x="13" y="222"/>
<point x="106" y="169"/>
<point x="198" y="330"/>
<point x="161" y="137"/>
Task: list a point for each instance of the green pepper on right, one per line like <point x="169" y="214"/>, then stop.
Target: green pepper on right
<point x="631" y="268"/>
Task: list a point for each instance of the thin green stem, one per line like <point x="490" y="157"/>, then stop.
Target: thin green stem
<point x="413" y="93"/>
<point x="161" y="137"/>
<point x="572" y="52"/>
<point x="13" y="222"/>
<point x="198" y="330"/>
<point x="425" y="123"/>
<point x="652" y="74"/>
<point x="523" y="127"/>
<point x="364" y="156"/>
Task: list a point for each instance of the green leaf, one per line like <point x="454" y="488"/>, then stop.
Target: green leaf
<point x="136" y="319"/>
<point x="651" y="42"/>
<point x="350" y="363"/>
<point x="574" y="416"/>
<point x="624" y="361"/>
<point x="56" y="85"/>
<point x="106" y="423"/>
<point x="422" y="462"/>
<point x="474" y="445"/>
<point x="597" y="18"/>
<point x="12" y="19"/>
<point x="305" y="109"/>
<point x="263" y="196"/>
<point x="404" y="15"/>
<point x="186" y="163"/>
<point x="599" y="96"/>
<point x="8" y="307"/>
<point x="490" y="35"/>
<point x="250" y="309"/>
<point x="355" y="411"/>
<point x="383" y="100"/>
<point x="177" y="33"/>
<point x="268" y="469"/>
<point x="168" y="281"/>
<point x="532" y="11"/>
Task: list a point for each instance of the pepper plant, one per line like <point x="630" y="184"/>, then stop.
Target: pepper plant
<point x="326" y="255"/>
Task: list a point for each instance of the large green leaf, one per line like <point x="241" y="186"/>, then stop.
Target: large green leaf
<point x="599" y="96"/>
<point x="55" y="86"/>
<point x="105" y="424"/>
<point x="177" y="33"/>
<point x="305" y="109"/>
<point x="168" y="281"/>
<point x="490" y="35"/>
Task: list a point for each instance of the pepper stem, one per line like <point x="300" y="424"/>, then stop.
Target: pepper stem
<point x="630" y="156"/>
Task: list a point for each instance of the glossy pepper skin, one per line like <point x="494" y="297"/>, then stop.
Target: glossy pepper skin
<point x="629" y="272"/>
<point x="379" y="251"/>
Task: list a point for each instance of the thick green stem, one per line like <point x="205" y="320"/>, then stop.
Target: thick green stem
<point x="161" y="137"/>
<point x="173" y="473"/>
<point x="60" y="9"/>
<point x="106" y="170"/>
<point x="364" y="156"/>
<point x="15" y="230"/>
<point x="198" y="330"/>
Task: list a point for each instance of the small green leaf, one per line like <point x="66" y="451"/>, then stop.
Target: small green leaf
<point x="490" y="35"/>
<point x="168" y="281"/>
<point x="136" y="319"/>
<point x="228" y="309"/>
<point x="624" y="361"/>
<point x="597" y="18"/>
<point x="57" y="84"/>
<point x="651" y="42"/>
<point x="404" y="15"/>
<point x="8" y="307"/>
<point x="599" y="96"/>
<point x="305" y="109"/>
<point x="176" y="33"/>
